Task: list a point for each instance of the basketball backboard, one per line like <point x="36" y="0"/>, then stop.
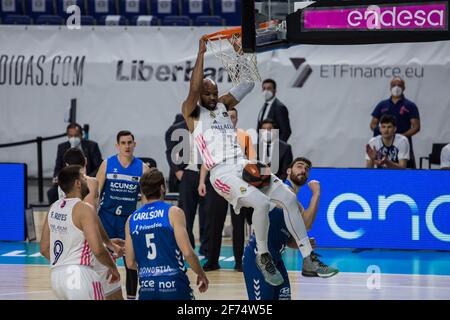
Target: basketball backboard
<point x="281" y="23"/>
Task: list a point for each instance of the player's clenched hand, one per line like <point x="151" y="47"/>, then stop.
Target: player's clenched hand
<point x="202" y="283"/>
<point x="314" y="185"/>
<point x="113" y="275"/>
<point x="118" y="246"/>
<point x="202" y="190"/>
<point x="202" y="45"/>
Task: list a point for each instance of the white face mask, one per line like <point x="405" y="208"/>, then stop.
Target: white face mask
<point x="74" y="142"/>
<point x="267" y="95"/>
<point x="266" y="135"/>
<point x="396" y="91"/>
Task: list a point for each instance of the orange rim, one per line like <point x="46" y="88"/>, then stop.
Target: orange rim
<point x="228" y="33"/>
<point x="223" y="34"/>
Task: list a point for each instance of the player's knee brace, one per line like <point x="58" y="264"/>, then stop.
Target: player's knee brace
<point x="131" y="283"/>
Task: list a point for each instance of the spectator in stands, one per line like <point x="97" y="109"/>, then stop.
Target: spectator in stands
<point x="445" y="157"/>
<point x="274" y="109"/>
<point x="75" y="140"/>
<point x="388" y="150"/>
<point x="405" y="112"/>
<point x="267" y="149"/>
<point x="187" y="174"/>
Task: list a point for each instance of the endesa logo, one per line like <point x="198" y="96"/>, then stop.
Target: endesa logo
<point x="384" y="202"/>
<point x="418" y="16"/>
<point x="414" y="17"/>
<point x="373" y="208"/>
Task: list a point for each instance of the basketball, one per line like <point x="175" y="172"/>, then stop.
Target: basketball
<point x="256" y="174"/>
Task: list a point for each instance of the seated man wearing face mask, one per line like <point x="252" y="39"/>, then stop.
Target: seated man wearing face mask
<point x="75" y="140"/>
<point x="405" y="112"/>
<point x="271" y="146"/>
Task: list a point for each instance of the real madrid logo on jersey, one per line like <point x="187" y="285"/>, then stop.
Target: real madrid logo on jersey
<point x="243" y="190"/>
<point x="225" y="114"/>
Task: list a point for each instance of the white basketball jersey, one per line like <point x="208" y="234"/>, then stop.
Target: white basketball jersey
<point x="216" y="137"/>
<point x="68" y="246"/>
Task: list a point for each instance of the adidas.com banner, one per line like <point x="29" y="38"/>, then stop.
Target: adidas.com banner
<point x="137" y="78"/>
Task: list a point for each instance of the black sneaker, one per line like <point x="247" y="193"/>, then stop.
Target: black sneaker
<point x="210" y="267"/>
<point x="238" y="267"/>
<point x="313" y="267"/>
<point x="270" y="273"/>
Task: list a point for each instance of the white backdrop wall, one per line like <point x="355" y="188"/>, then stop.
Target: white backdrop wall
<point x="137" y="78"/>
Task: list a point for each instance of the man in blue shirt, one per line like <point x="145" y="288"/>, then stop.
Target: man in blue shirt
<point x="279" y="237"/>
<point x="118" y="180"/>
<point x="157" y="244"/>
<point x="405" y="112"/>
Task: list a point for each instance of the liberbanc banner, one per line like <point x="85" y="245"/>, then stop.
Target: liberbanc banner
<point x="137" y="78"/>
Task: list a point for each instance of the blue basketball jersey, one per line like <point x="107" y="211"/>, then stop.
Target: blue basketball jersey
<point x="278" y="236"/>
<point x="156" y="251"/>
<point x="121" y="189"/>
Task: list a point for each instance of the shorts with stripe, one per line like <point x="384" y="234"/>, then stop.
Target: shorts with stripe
<point x="227" y="180"/>
<point x="75" y="282"/>
<point x="108" y="288"/>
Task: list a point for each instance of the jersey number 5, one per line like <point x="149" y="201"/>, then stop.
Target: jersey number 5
<point x="151" y="246"/>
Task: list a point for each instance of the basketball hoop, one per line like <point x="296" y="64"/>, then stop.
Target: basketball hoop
<point x="226" y="46"/>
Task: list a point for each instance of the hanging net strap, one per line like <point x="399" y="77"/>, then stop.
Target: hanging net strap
<point x="226" y="45"/>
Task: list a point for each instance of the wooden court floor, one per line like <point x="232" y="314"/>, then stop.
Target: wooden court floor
<point x="32" y="282"/>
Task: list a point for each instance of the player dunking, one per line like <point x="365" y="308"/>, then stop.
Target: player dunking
<point x="69" y="237"/>
<point x="207" y="118"/>
<point x="112" y="291"/>
<point x="118" y="178"/>
<point x="156" y="241"/>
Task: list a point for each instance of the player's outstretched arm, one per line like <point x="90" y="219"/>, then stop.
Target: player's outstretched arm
<point x="178" y="222"/>
<point x="45" y="239"/>
<point x="130" y="258"/>
<point x="195" y="88"/>
<point x="85" y="218"/>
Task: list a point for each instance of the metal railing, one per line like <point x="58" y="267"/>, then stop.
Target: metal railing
<point x="38" y="141"/>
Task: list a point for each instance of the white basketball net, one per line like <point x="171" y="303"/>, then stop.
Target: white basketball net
<point x="239" y="65"/>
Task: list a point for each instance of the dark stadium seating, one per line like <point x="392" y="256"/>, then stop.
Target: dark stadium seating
<point x="209" y="21"/>
<point x="36" y="8"/>
<point x="17" y="19"/>
<point x="51" y="20"/>
<point x="94" y="12"/>
<point x="133" y="8"/>
<point x="195" y="8"/>
<point x="180" y="21"/>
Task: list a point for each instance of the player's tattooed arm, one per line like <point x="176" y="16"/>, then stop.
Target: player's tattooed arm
<point x="195" y="88"/>
<point x="45" y="239"/>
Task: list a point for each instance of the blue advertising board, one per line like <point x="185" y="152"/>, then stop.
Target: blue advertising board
<point x="370" y="208"/>
<point x="12" y="201"/>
